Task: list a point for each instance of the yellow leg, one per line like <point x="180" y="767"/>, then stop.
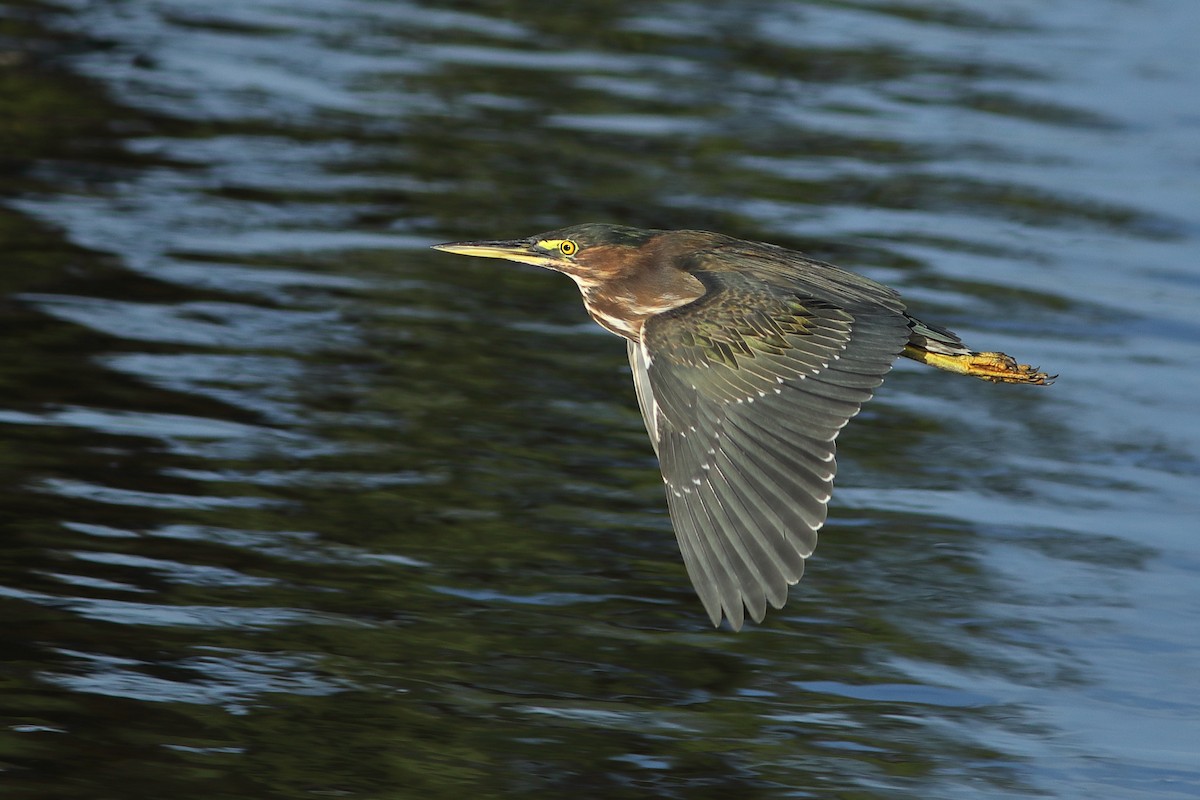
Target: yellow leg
<point x="994" y="367"/>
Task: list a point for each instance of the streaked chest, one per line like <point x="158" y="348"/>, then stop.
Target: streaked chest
<point x="624" y="309"/>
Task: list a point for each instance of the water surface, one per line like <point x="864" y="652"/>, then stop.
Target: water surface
<point x="293" y="506"/>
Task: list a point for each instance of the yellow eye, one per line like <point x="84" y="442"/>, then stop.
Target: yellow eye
<point x="567" y="247"/>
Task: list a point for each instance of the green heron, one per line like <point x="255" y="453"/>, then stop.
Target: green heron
<point x="748" y="359"/>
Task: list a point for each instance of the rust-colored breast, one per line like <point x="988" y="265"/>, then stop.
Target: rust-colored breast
<point x="622" y="292"/>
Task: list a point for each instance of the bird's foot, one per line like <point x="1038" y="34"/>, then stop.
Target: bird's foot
<point x="994" y="367"/>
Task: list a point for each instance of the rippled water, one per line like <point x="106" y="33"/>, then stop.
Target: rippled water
<point x="293" y="506"/>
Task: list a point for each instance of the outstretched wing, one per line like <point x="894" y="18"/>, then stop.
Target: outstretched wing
<point x="743" y="393"/>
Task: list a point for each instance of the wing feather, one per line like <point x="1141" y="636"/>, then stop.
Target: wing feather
<point x="744" y="392"/>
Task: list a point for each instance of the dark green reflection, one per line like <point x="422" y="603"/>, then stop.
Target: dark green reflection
<point x="323" y="518"/>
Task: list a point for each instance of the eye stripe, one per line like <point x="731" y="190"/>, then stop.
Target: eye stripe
<point x="568" y="247"/>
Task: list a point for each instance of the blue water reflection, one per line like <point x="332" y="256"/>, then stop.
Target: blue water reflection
<point x="295" y="506"/>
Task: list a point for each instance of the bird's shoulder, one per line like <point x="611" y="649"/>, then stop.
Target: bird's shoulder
<point x="739" y="317"/>
<point x="766" y="270"/>
<point x="763" y="301"/>
<point x="770" y="317"/>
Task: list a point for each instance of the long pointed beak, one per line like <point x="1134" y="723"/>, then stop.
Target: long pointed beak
<point x="523" y="250"/>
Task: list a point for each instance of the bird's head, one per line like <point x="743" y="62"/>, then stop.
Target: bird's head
<point x="592" y="253"/>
